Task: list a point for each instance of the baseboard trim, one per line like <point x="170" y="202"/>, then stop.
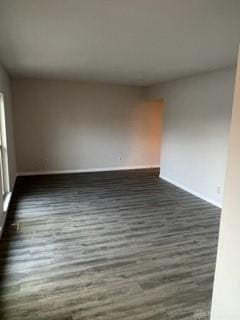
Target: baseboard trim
<point x="36" y="173"/>
<point x="195" y="193"/>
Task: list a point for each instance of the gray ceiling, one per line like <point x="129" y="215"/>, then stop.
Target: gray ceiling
<point x="122" y="41"/>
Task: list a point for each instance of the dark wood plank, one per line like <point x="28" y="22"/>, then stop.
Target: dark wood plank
<point x="107" y="246"/>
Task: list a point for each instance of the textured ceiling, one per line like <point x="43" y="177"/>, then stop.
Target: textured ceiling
<point x="121" y="41"/>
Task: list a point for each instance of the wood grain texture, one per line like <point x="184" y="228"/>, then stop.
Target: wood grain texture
<point x="107" y="246"/>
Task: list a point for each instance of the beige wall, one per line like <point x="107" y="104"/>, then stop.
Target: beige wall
<point x="5" y="90"/>
<point x="196" y="125"/>
<point x="69" y="125"/>
<point x="226" y="294"/>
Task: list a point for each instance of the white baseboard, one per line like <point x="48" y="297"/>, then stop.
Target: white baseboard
<point x="35" y="173"/>
<point x="195" y="193"/>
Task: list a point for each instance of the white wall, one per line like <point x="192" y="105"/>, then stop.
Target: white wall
<point x="5" y="90"/>
<point x="69" y="125"/>
<point x="226" y="293"/>
<point x="196" y="124"/>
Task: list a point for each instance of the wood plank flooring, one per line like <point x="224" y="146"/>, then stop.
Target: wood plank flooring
<point x="107" y="246"/>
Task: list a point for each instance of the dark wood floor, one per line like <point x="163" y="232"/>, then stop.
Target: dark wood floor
<point x="107" y="246"/>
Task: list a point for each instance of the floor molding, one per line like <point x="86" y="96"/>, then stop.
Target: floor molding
<point x="195" y="193"/>
<point x="36" y="173"/>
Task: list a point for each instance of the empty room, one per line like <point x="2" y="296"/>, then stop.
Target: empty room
<point x="119" y="160"/>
